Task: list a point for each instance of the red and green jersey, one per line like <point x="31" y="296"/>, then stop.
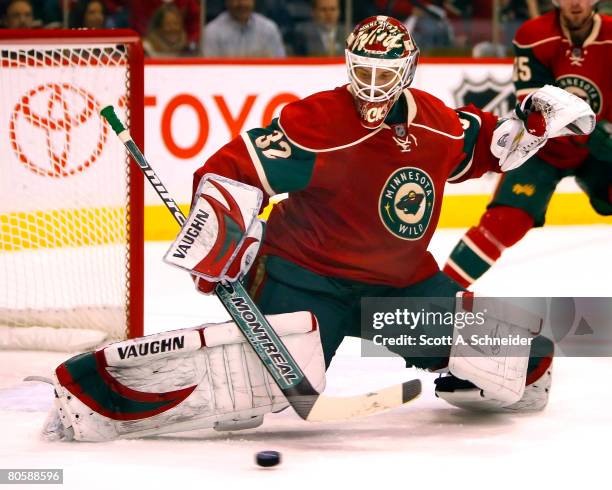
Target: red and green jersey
<point x="545" y="55"/>
<point x="363" y="204"/>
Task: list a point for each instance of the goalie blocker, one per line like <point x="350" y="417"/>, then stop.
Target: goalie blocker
<point x="221" y="236"/>
<point x="181" y="380"/>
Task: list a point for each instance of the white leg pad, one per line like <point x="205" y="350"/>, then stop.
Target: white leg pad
<point x="498" y="370"/>
<point x="534" y="399"/>
<point x="213" y="380"/>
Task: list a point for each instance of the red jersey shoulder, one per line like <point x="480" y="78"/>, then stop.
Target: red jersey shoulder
<point x="435" y="114"/>
<point x="323" y="120"/>
<point x="539" y="30"/>
<point x="605" y="32"/>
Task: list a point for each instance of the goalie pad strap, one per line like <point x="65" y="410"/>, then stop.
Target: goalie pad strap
<point x="141" y="350"/>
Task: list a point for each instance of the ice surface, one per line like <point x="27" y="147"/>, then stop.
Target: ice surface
<point x="426" y="444"/>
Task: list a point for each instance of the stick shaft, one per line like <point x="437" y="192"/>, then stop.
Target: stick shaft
<point x="252" y="323"/>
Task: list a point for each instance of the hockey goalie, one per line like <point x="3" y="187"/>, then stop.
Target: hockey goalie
<point x="365" y="167"/>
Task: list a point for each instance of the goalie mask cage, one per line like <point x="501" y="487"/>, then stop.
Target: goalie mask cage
<point x="71" y="203"/>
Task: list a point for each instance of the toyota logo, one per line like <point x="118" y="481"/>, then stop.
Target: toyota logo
<point x="55" y="130"/>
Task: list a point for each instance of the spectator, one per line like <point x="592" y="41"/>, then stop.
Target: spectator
<point x="141" y="13"/>
<point x="322" y="36"/>
<point x="90" y="14"/>
<point x="167" y="35"/>
<point x="19" y="15"/>
<point x="241" y="32"/>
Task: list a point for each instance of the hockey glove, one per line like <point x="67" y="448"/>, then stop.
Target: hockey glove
<point x="547" y="113"/>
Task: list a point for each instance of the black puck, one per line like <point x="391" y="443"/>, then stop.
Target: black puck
<point x="267" y="458"/>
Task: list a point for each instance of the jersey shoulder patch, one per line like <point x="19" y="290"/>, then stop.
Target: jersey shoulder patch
<point x="541" y="30"/>
<point x="323" y="121"/>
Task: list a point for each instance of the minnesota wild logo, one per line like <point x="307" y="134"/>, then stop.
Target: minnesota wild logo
<point x="583" y="88"/>
<point x="406" y="203"/>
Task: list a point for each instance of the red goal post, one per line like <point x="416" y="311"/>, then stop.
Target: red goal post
<point x="72" y="204"/>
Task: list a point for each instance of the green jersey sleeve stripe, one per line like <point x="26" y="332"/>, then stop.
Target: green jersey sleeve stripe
<point x="283" y="166"/>
<point x="471" y="126"/>
<point x="261" y="173"/>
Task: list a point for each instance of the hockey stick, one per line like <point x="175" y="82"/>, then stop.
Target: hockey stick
<point x="286" y="373"/>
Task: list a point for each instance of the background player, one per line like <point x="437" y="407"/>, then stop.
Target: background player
<point x="567" y="47"/>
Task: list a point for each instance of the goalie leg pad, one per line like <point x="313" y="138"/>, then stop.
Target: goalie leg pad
<point x="466" y="395"/>
<point x="494" y="354"/>
<point x="181" y="380"/>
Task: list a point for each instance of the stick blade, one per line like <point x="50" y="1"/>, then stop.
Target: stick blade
<point x="411" y="390"/>
<point x="323" y="408"/>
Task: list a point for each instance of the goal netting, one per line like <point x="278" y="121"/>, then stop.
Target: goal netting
<point x="71" y="210"/>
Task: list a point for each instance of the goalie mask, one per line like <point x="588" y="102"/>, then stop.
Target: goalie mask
<point x="381" y="58"/>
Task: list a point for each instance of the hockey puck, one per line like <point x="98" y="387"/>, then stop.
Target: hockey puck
<point x="267" y="458"/>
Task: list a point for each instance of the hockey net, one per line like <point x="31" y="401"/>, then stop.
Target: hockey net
<point x="71" y="205"/>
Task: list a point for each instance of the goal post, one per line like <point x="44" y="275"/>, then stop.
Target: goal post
<point x="71" y="199"/>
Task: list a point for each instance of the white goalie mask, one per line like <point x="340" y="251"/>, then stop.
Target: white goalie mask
<point x="381" y="59"/>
